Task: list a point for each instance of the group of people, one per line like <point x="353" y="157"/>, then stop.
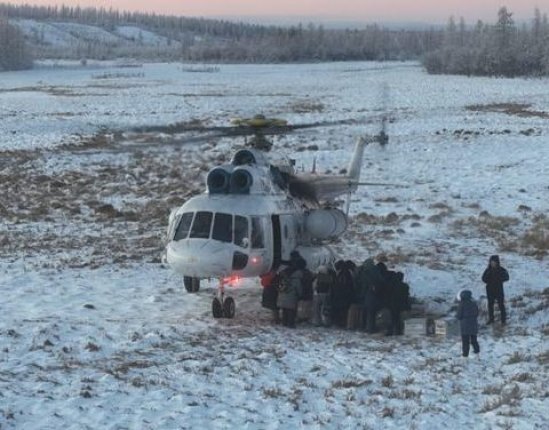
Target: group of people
<point x="494" y="277"/>
<point x="345" y="295"/>
<point x="350" y="296"/>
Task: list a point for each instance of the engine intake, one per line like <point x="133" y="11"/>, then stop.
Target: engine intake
<point x="243" y="157"/>
<point x="241" y="181"/>
<point x="218" y="181"/>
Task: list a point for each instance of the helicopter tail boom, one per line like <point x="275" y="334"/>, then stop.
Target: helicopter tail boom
<point x="355" y="165"/>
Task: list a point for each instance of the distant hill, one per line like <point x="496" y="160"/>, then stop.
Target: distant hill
<point x="55" y="39"/>
<point x="76" y="33"/>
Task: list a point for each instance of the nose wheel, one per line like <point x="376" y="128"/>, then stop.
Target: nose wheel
<point x="223" y="307"/>
<point x="192" y="285"/>
<point x="229" y="307"/>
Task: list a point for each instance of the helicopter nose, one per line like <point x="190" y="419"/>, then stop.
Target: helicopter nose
<point x="200" y="258"/>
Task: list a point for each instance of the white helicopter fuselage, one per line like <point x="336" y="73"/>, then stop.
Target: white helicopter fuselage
<point x="253" y="215"/>
<point x="273" y="227"/>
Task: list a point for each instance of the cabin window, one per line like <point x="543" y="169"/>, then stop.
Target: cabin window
<point x="184" y="226"/>
<point x="223" y="227"/>
<point x="258" y="239"/>
<point x="201" y="225"/>
<point x="241" y="237"/>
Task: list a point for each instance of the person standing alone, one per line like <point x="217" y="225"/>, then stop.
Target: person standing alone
<point x="494" y="276"/>
<point x="467" y="315"/>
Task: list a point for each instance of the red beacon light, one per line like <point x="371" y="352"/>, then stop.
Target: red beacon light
<point x="255" y="260"/>
<point x="232" y="281"/>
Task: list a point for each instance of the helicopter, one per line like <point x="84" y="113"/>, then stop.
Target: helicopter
<point x="255" y="212"/>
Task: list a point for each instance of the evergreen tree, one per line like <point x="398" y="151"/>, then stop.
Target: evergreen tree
<point x="14" y="54"/>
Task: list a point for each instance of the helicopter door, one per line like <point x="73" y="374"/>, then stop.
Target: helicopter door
<point x="277" y="241"/>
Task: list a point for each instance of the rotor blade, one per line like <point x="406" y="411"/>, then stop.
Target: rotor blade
<point x="379" y="184"/>
<point x="383" y="137"/>
<point x="241" y="130"/>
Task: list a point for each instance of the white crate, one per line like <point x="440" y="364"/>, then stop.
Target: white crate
<point x="447" y="327"/>
<point x="415" y="327"/>
<point x="482" y="303"/>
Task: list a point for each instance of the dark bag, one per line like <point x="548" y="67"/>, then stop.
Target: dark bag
<point x="307" y="285"/>
<point x="324" y="283"/>
<point x="269" y="297"/>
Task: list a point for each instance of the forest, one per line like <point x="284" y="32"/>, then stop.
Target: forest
<point x="500" y="49"/>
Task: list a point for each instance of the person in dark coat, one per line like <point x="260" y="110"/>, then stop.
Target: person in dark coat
<point x="342" y="294"/>
<point x="467" y="315"/>
<point x="494" y="276"/>
<point x="270" y="283"/>
<point x="305" y="306"/>
<point x="289" y="291"/>
<point x="370" y="284"/>
<point x="351" y="266"/>
<point x="324" y="285"/>
<point x="384" y="291"/>
<point x="399" y="300"/>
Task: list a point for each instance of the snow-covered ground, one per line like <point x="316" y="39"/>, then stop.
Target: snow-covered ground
<point x="96" y="333"/>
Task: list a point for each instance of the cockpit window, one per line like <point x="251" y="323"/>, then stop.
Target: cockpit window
<point x="223" y="227"/>
<point x="258" y="240"/>
<point x="184" y="226"/>
<point x="241" y="235"/>
<point x="201" y="225"/>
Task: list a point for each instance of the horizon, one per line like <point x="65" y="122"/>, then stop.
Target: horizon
<point x="355" y="12"/>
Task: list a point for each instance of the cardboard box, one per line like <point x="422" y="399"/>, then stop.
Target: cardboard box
<point x="447" y="327"/>
<point x="482" y="303"/>
<point x="419" y="327"/>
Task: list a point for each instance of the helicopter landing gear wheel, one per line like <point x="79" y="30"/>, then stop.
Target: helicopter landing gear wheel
<point x="192" y="285"/>
<point x="223" y="307"/>
<point x="229" y="307"/>
<point x="217" y="308"/>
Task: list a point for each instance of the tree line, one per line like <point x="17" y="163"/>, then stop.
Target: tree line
<point x="14" y="53"/>
<point x="501" y="49"/>
<point x="207" y="40"/>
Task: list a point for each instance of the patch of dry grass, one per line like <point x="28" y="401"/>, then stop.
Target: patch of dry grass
<point x="76" y="223"/>
<point x="543" y="358"/>
<point x="387" y="412"/>
<point x="350" y="383"/>
<point x="387" y="381"/>
<point x="536" y="238"/>
<point x="518" y="357"/>
<point x="272" y="393"/>
<point x="523" y="377"/>
<point x="510" y="396"/>
<point x="517" y="109"/>
<point x="509" y="232"/>
<point x="307" y="106"/>
<point x="390" y="219"/>
<point x="439" y="217"/>
<point x="405" y="394"/>
<point x="492" y="389"/>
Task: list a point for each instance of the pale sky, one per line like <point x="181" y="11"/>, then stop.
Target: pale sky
<point x="435" y="11"/>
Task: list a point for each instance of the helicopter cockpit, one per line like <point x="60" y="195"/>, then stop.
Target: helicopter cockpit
<point x="205" y="229"/>
<point x="223" y="227"/>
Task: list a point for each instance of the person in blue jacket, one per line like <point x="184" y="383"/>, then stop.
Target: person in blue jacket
<point x="467" y="314"/>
